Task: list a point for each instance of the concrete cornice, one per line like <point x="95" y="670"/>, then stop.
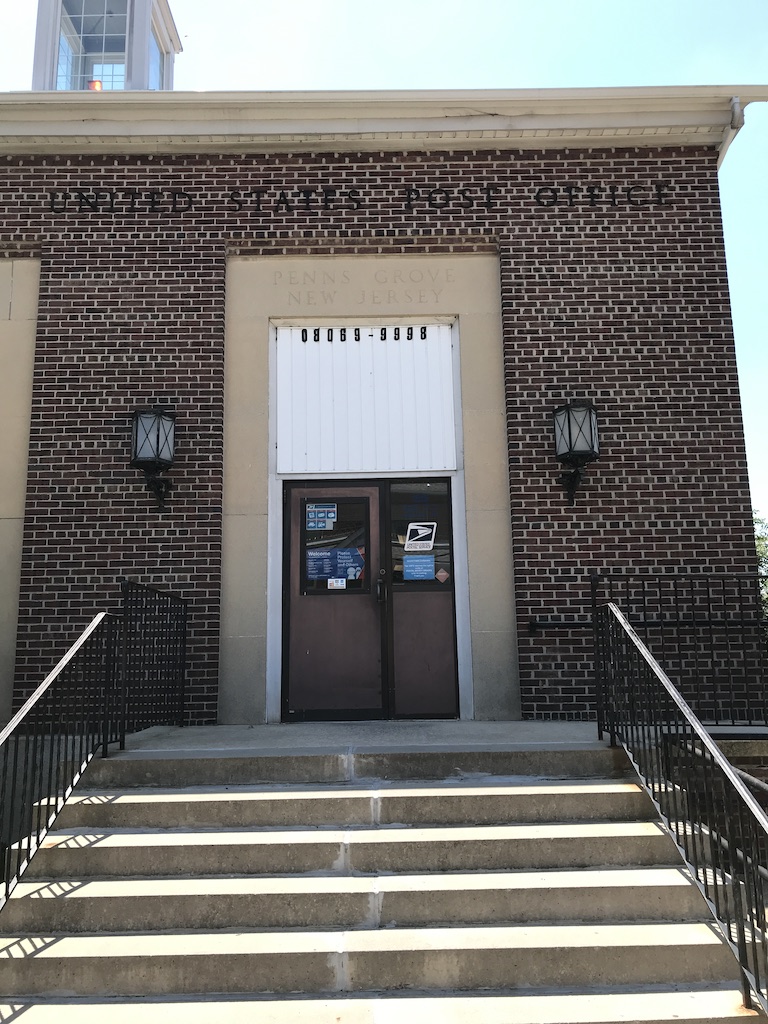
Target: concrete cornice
<point x="183" y="122"/>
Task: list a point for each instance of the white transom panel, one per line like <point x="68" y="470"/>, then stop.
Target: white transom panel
<point x="365" y="399"/>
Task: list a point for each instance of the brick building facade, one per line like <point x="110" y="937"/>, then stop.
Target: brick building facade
<point x="603" y="242"/>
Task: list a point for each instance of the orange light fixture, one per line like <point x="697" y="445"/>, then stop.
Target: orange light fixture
<point x="95" y="85"/>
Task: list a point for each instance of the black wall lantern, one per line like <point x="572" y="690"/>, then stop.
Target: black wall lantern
<point x="575" y="441"/>
<point x="152" y="448"/>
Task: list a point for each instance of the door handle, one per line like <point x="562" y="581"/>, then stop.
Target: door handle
<point x="381" y="587"/>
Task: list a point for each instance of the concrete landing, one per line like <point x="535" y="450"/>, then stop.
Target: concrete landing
<point x="330" y="752"/>
<point x="354" y="737"/>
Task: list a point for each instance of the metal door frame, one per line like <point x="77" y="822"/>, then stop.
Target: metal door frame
<point x="383" y="485"/>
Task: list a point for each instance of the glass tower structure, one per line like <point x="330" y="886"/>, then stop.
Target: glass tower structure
<point x="104" y="45"/>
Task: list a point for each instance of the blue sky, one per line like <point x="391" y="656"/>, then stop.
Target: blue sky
<point x="500" y="44"/>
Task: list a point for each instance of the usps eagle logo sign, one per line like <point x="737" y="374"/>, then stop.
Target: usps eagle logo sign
<point x="420" y="536"/>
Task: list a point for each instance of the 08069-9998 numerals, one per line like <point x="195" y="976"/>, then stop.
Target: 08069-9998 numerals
<point x="356" y="333"/>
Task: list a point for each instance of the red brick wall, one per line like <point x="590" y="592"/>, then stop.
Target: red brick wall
<point x="615" y="295"/>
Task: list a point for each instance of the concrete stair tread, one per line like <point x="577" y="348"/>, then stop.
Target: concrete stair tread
<point x="555" y="880"/>
<point x="395" y="848"/>
<point x="200" y="765"/>
<point x="437" y="958"/>
<point x="226" y="943"/>
<point x="498" y="799"/>
<point x="81" y="838"/>
<point x="353" y="901"/>
<point x="489" y="786"/>
<point x="656" y="1005"/>
<point x="358" y="804"/>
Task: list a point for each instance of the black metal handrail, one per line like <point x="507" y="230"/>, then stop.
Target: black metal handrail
<point x="124" y="673"/>
<point x="718" y="826"/>
<point x="51" y="740"/>
<point x="708" y="630"/>
<point x="752" y="783"/>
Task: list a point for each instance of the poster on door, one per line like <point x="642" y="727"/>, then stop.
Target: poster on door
<point x="335" y="563"/>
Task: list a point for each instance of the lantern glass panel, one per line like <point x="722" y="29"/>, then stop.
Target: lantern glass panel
<point x="576" y="432"/>
<point x="583" y="429"/>
<point x="562" y="434"/>
<point x="153" y="439"/>
<point x="165" y="439"/>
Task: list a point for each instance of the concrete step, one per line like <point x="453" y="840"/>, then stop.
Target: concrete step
<point x="208" y="768"/>
<point x="647" y="1005"/>
<point x="495" y="801"/>
<point x="339" y="961"/>
<point x="76" y="853"/>
<point x="594" y="895"/>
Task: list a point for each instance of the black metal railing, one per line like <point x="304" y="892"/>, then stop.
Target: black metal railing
<point x="124" y="673"/>
<point x="709" y="631"/>
<point x="153" y="657"/>
<point x="713" y="818"/>
<point x="50" y="741"/>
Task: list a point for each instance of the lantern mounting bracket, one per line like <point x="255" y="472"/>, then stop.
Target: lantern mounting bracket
<point x="570" y="480"/>
<point x="159" y="486"/>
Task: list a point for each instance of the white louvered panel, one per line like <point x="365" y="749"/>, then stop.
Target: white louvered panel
<point x="367" y="406"/>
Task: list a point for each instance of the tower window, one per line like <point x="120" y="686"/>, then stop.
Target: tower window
<point x="92" y="43"/>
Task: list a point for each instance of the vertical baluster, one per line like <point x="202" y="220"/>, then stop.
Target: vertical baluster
<point x="695" y="688"/>
<point x="754" y="912"/>
<point x="53" y="754"/>
<point x="7" y="811"/>
<point x="749" y="619"/>
<point x="15" y="828"/>
<point x="728" y="653"/>
<point x="37" y="723"/>
<point x="762" y="643"/>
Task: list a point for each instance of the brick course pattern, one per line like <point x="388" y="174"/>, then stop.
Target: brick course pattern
<point x="613" y="285"/>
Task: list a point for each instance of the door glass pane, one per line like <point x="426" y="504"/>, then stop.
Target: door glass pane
<point x="421" y="535"/>
<point x="334" y="543"/>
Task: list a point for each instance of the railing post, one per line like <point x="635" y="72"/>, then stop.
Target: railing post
<point x="597" y="650"/>
<point x="741" y="938"/>
<point x="109" y="690"/>
<point x="112" y="703"/>
<point x="182" y="666"/>
<point x="123" y="683"/>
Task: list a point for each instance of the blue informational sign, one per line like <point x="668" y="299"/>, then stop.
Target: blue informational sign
<point x="335" y="563"/>
<point x="321" y="516"/>
<point x="418" y="567"/>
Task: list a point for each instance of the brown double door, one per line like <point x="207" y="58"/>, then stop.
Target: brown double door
<point x="369" y="614"/>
